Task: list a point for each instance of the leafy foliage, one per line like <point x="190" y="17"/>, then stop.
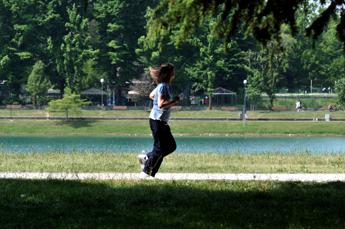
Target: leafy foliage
<point x="340" y="87"/>
<point x="70" y="102"/>
<point x="38" y="82"/>
<point x="262" y="19"/>
<point x="75" y="49"/>
<point x="211" y="63"/>
<point x="81" y="42"/>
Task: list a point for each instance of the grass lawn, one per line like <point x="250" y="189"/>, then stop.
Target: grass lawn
<point x="192" y="128"/>
<point x="158" y="204"/>
<point x="177" y="163"/>
<point x="216" y="113"/>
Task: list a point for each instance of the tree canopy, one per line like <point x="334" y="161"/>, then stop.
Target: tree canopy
<point x="262" y="18"/>
<point x="78" y="43"/>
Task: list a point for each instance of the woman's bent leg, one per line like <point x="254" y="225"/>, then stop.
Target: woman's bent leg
<point x="167" y="145"/>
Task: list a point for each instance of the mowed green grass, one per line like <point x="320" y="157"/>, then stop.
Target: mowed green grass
<point x="175" y="163"/>
<point x="192" y="128"/>
<point x="170" y="204"/>
<point x="203" y="113"/>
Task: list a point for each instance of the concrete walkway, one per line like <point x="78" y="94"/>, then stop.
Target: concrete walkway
<point x="94" y="118"/>
<point x="303" y="177"/>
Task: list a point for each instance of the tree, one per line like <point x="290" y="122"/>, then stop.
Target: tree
<point x="340" y="89"/>
<point x="113" y="47"/>
<point x="203" y="70"/>
<point x="70" y="102"/>
<point x="254" y="90"/>
<point x="17" y="23"/>
<point x="38" y="82"/>
<point x="211" y="62"/>
<point x="121" y="23"/>
<point x="267" y="65"/>
<point x="255" y="80"/>
<point x="76" y="49"/>
<point x="263" y="19"/>
<point x="325" y="63"/>
<point x="65" y="41"/>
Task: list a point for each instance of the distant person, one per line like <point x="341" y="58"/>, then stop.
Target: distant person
<point x="206" y="100"/>
<point x="164" y="142"/>
<point x="298" y="106"/>
<point x="331" y="108"/>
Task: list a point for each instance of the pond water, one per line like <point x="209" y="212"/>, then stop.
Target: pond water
<point x="222" y="145"/>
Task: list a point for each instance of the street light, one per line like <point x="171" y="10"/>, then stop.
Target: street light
<point x="244" y="111"/>
<point x="102" y="81"/>
<point x="2" y="82"/>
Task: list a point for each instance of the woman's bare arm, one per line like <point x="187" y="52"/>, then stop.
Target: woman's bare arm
<point x="164" y="103"/>
<point x="152" y="94"/>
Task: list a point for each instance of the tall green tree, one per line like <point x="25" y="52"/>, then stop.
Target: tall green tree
<point x="120" y="24"/>
<point x="76" y="49"/>
<point x="340" y="89"/>
<point x="265" y="69"/>
<point x="113" y="48"/>
<point x="325" y="63"/>
<point x="17" y="25"/>
<point x="64" y="23"/>
<point x="38" y="82"/>
<point x="211" y="62"/>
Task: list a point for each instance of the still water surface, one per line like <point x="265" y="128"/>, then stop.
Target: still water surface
<point x="223" y="145"/>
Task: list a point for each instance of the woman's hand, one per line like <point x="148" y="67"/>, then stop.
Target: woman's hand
<point x="152" y="94"/>
<point x="163" y="103"/>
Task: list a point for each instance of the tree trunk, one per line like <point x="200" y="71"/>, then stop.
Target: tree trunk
<point x="271" y="102"/>
<point x="210" y="101"/>
<point x="34" y="101"/>
<point x="66" y="112"/>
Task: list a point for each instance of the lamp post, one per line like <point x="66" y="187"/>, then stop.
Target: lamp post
<point x="2" y="82"/>
<point x="102" y="81"/>
<point x="244" y="111"/>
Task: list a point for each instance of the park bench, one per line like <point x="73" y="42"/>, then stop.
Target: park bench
<point x="229" y="108"/>
<point x="176" y="108"/>
<point x="120" y="107"/>
<point x="280" y="108"/>
<point x="14" y="106"/>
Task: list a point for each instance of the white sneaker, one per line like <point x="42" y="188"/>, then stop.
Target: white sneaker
<point x="144" y="175"/>
<point x="142" y="159"/>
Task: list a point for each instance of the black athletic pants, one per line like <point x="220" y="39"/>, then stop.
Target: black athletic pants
<point x="164" y="144"/>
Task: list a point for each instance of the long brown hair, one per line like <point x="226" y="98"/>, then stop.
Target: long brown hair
<point x="163" y="73"/>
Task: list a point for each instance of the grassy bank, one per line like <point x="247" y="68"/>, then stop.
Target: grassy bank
<point x="215" y="113"/>
<point x="195" y="128"/>
<point x="201" y="163"/>
<point x="157" y="204"/>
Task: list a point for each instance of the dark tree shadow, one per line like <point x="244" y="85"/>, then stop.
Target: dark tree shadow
<point x="158" y="204"/>
<point x="76" y="123"/>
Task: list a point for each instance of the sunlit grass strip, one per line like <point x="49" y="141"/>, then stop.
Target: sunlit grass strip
<point x="279" y="177"/>
<point x="215" y="113"/>
<point x="192" y="128"/>
<point x="175" y="163"/>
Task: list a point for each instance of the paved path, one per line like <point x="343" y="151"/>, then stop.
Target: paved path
<point x="304" y="177"/>
<point x="177" y="118"/>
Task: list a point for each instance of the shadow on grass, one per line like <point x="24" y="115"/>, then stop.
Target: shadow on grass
<point x="133" y="204"/>
<point x="75" y="123"/>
